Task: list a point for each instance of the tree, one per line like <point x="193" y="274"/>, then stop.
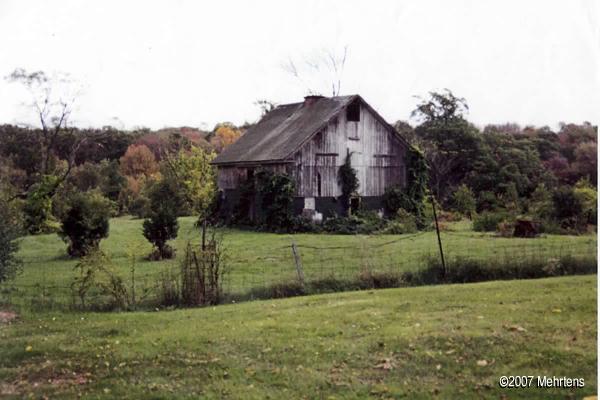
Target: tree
<point x="192" y="173"/>
<point x="9" y="245"/>
<point x="586" y="162"/>
<point x="464" y="201"/>
<point x="540" y="203"/>
<point x="37" y="208"/>
<point x="348" y="180"/>
<point x="588" y="196"/>
<point x="320" y="72"/>
<point x="138" y="161"/>
<point x="224" y="135"/>
<point x="52" y="100"/>
<point x="568" y="208"/>
<point x="86" y="222"/>
<point x="161" y="225"/>
<point x="266" y="106"/>
<point x="449" y="142"/>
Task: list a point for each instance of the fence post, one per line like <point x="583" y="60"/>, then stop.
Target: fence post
<point x="298" y="263"/>
<point x="437" y="231"/>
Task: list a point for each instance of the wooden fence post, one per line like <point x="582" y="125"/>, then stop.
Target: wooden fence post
<point x="298" y="263"/>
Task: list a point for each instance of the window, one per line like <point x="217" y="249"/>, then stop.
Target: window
<point x="353" y="112"/>
<point x="318" y="184"/>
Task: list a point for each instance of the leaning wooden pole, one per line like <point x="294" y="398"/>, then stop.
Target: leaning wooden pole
<point x="437" y="231"/>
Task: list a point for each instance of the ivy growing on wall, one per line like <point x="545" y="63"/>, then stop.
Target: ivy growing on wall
<point x="276" y="192"/>
<point x="348" y="180"/>
<point x="410" y="198"/>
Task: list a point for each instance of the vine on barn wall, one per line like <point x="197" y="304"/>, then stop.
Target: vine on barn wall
<point x="411" y="197"/>
<point x="348" y="180"/>
<point x="276" y="192"/>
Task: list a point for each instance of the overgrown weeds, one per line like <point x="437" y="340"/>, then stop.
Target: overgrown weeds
<point x="459" y="270"/>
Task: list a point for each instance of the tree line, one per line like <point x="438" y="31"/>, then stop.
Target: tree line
<point x="58" y="178"/>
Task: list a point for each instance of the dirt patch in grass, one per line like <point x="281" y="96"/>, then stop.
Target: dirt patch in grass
<point x="6" y="317"/>
<point x="45" y="379"/>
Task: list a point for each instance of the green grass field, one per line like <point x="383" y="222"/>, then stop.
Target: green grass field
<point x="451" y="341"/>
<point x="260" y="259"/>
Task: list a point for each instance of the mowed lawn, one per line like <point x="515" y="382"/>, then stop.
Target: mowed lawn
<point x="258" y="259"/>
<point x="452" y="341"/>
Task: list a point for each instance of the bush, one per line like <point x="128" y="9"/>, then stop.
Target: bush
<point x="588" y="196"/>
<point x="568" y="209"/>
<point x="202" y="273"/>
<point x="97" y="286"/>
<point x="464" y="201"/>
<point x="464" y="270"/>
<point x="86" y="222"/>
<point x="404" y="222"/>
<point x="488" y="221"/>
<point x="487" y="201"/>
<point x="396" y="198"/>
<point x="9" y="232"/>
<point x="37" y="210"/>
<point x="159" y="228"/>
<point x="363" y="222"/>
<point x="276" y="192"/>
<point x="140" y="206"/>
<point x="540" y="203"/>
<point x="161" y="224"/>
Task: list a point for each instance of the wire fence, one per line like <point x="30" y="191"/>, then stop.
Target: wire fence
<point x="255" y="266"/>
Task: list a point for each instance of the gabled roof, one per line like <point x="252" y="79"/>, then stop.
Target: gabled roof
<point x="281" y="132"/>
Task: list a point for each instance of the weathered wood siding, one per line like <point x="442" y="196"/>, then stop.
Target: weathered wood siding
<point x="231" y="177"/>
<point x="376" y="154"/>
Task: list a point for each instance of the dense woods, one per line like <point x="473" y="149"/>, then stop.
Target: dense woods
<point x="492" y="174"/>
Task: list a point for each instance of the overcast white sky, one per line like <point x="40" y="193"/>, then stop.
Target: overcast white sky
<point x="195" y="63"/>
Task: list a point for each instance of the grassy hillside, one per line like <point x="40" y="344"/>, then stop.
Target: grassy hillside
<point x="259" y="259"/>
<point x="450" y="341"/>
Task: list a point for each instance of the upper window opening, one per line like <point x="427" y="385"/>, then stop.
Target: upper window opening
<point x="353" y="112"/>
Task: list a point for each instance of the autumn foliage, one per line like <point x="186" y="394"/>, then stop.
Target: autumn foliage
<point x="138" y="161"/>
<point x="224" y="135"/>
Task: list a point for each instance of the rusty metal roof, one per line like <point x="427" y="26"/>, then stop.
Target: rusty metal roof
<point x="283" y="131"/>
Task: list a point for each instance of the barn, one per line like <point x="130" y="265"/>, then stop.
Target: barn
<point x="309" y="141"/>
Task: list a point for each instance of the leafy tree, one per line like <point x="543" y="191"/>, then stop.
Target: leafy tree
<point x="464" y="201"/>
<point x="568" y="208"/>
<point x="161" y="225"/>
<point x="405" y="130"/>
<point x="86" y="222"/>
<point x="487" y="201"/>
<point x="37" y="209"/>
<point x="540" y="203"/>
<point x="504" y="160"/>
<point x="195" y="177"/>
<point x="572" y="135"/>
<point x="86" y="176"/>
<point x="510" y="198"/>
<point x="588" y="196"/>
<point x="138" y="161"/>
<point x="9" y="233"/>
<point x="113" y="182"/>
<point x="449" y="142"/>
<point x="586" y="162"/>
<point x="224" y="135"/>
<point x="348" y="180"/>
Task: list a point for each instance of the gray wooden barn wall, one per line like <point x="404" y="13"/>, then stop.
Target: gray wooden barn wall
<point x="376" y="154"/>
